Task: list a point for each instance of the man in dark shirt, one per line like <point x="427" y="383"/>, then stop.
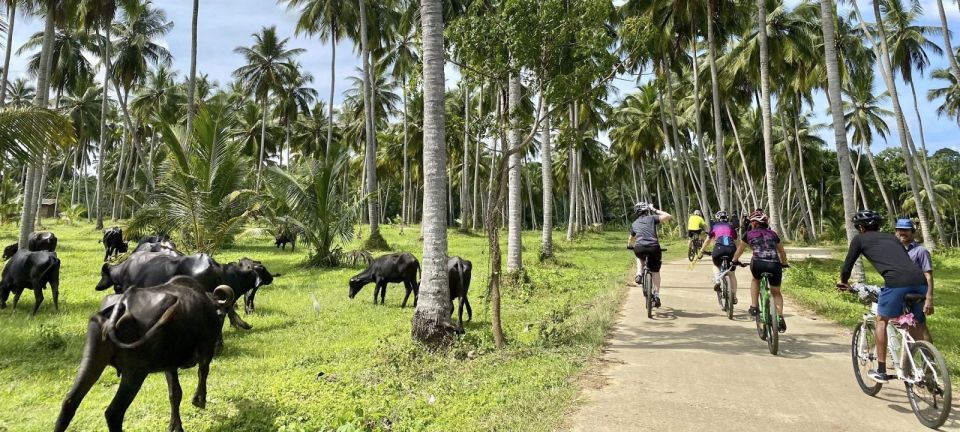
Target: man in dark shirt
<point x="645" y="242"/>
<point x="900" y="276"/>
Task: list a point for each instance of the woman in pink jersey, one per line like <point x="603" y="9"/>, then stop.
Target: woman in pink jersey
<point x="724" y="236"/>
<point x="768" y="257"/>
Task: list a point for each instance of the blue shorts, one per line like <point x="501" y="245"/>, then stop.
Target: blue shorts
<point x="890" y="302"/>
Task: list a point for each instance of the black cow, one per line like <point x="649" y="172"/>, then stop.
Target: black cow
<point x="33" y="270"/>
<point x="246" y="276"/>
<point x="38" y="241"/>
<point x="113" y="243"/>
<point x="284" y="237"/>
<point x="392" y="268"/>
<point x="459" y="272"/>
<point x="143" y="331"/>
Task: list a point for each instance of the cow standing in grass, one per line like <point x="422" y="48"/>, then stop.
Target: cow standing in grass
<point x="393" y="268"/>
<point x="33" y="270"/>
<point x="460" y="272"/>
<point x="113" y="243"/>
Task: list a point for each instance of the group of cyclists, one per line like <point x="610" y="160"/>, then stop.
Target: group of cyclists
<point x="905" y="266"/>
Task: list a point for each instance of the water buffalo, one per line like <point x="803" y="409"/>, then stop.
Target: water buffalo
<point x="142" y="331"/>
<point x="113" y="243"/>
<point x="459" y="272"/>
<point x="246" y="276"/>
<point x="392" y="268"/>
<point x="38" y="241"/>
<point x="284" y="237"/>
<point x="33" y="270"/>
<point x="158" y="243"/>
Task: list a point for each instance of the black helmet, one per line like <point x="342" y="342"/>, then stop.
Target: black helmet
<point x="721" y="215"/>
<point x="641" y="207"/>
<point x="868" y="219"/>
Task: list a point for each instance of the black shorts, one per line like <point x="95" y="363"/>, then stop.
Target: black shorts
<point x="758" y="268"/>
<point x="723" y="251"/>
<point x="694" y="233"/>
<point x="652" y="253"/>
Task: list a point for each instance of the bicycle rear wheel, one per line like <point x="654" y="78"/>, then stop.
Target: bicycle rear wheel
<point x="761" y="326"/>
<point x="931" y="397"/>
<point x="720" y="301"/>
<point x="773" y="326"/>
<point x="727" y="296"/>
<point x="863" y="351"/>
<point x="648" y="292"/>
<point x="692" y="250"/>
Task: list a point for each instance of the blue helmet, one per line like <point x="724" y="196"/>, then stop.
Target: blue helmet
<point x="905" y="223"/>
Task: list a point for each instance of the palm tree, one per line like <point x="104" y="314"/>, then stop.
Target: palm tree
<point x="11" y="6"/>
<point x="431" y="321"/>
<point x="192" y="79"/>
<point x="69" y="63"/>
<point x="546" y="158"/>
<point x="268" y="61"/>
<point x="715" y="97"/>
<point x="295" y="98"/>
<point x="945" y="31"/>
<point x="403" y="56"/>
<point x="514" y="197"/>
<point x="863" y="115"/>
<point x="766" y="116"/>
<point x="21" y="92"/>
<point x="950" y="94"/>
<point x="370" y="159"/>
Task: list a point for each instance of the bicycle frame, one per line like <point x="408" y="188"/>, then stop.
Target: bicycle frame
<point x="905" y="341"/>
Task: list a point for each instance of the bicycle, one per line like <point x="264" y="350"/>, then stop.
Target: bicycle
<point x="725" y="295"/>
<point x="645" y="279"/>
<point x="767" y="318"/>
<point x="694" y="249"/>
<point x="919" y="364"/>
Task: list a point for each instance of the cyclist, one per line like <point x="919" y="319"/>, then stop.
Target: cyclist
<point x="900" y="277"/>
<point x="768" y="257"/>
<point x="646" y="242"/>
<point x="724" y="234"/>
<point x="695" y="226"/>
<point x="920" y="256"/>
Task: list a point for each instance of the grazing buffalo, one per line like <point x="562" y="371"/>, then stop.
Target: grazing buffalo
<point x="246" y="276"/>
<point x="393" y="268"/>
<point x="459" y="271"/>
<point x="38" y="241"/>
<point x="113" y="243"/>
<point x="157" y="243"/>
<point x="33" y="270"/>
<point x="284" y="237"/>
<point x="142" y="331"/>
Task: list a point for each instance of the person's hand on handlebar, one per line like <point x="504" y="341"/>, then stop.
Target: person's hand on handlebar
<point x="843" y="286"/>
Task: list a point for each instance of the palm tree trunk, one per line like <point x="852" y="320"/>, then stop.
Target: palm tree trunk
<point x="533" y="210"/>
<point x="192" y="84"/>
<point x="405" y="216"/>
<point x="103" y="141"/>
<point x="807" y="212"/>
<point x="633" y="174"/>
<point x="476" y="166"/>
<point x="263" y="141"/>
<point x="948" y="47"/>
<point x="63" y="172"/>
<point x="891" y="213"/>
<point x="678" y="147"/>
<point x="11" y="20"/>
<point x="373" y="203"/>
<point x="766" y="116"/>
<point x="515" y="200"/>
<point x="465" y="170"/>
<point x="571" y="175"/>
<point x="857" y="180"/>
<point x="722" y="178"/>
<point x="546" y="160"/>
<point x="748" y="179"/>
<point x="334" y="36"/>
<point x="431" y="323"/>
<point x="702" y="160"/>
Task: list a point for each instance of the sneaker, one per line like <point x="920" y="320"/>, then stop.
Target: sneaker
<point x="877" y="376"/>
<point x="754" y="311"/>
<point x="716" y="286"/>
<point x="637" y="279"/>
<point x="734" y="299"/>
<point x="656" y="301"/>
<point x="783" y="325"/>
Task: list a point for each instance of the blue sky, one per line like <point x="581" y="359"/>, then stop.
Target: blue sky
<point x="226" y="24"/>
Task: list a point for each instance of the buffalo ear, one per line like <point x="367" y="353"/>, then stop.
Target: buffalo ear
<point x="105" y="269"/>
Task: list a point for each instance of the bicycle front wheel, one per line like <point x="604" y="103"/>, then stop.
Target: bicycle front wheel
<point x="692" y="251"/>
<point x="648" y="291"/>
<point x="930" y="398"/>
<point x="727" y="297"/>
<point x="773" y="326"/>
<point x="863" y="351"/>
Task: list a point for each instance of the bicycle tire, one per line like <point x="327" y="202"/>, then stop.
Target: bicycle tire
<point x="864" y="356"/>
<point x="720" y="297"/>
<point x="773" y="329"/>
<point x="648" y="289"/>
<point x="760" y="317"/>
<point x="692" y="251"/>
<point x="935" y="386"/>
<point x="728" y="296"/>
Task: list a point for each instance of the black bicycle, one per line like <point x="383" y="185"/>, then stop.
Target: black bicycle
<point x="725" y="295"/>
<point x="645" y="279"/>
<point x="695" y="244"/>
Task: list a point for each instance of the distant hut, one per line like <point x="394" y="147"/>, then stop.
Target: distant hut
<point x="47" y="206"/>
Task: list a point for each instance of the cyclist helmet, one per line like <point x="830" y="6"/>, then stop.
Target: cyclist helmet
<point x="722" y="215"/>
<point x="758" y="216"/>
<point x="868" y="219"/>
<point x="905" y="223"/>
<point x="641" y="207"/>
<point x="698" y="213"/>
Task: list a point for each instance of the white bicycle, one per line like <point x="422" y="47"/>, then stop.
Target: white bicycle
<point x="918" y="364"/>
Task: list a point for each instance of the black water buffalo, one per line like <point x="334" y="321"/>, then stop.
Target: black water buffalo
<point x="113" y="243"/>
<point x="284" y="237"/>
<point x="33" y="270"/>
<point x="246" y="276"/>
<point x="157" y="243"/>
<point x="392" y="268"/>
<point x="142" y="331"/>
<point x="38" y="241"/>
<point x="459" y="272"/>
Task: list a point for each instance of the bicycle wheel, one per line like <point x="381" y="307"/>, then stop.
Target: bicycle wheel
<point x="727" y="296"/>
<point x="773" y="326"/>
<point x="692" y="251"/>
<point x="758" y="318"/>
<point x="648" y="290"/>
<point x="931" y="397"/>
<point x="863" y="351"/>
<point x="720" y="301"/>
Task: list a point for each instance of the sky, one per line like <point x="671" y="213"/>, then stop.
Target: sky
<point x="227" y="24"/>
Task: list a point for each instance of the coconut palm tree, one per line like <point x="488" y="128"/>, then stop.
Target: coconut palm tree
<point x="192" y="78"/>
<point x="766" y="116"/>
<point x="268" y="61"/>
<point x="69" y="63"/>
<point x="431" y="321"/>
<point x="950" y="94"/>
<point x="11" y="6"/>
<point x="21" y="92"/>
<point x="403" y="56"/>
<point x="296" y="98"/>
<point x="864" y="115"/>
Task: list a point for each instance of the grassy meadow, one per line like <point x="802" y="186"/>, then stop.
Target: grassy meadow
<point x="348" y="365"/>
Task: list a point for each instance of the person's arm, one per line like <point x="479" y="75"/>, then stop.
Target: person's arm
<point x="631" y="240"/>
<point x="852" y="254"/>
<point x="782" y="253"/>
<point x="662" y="216"/>
<point x="927" y="267"/>
<point x="741" y="246"/>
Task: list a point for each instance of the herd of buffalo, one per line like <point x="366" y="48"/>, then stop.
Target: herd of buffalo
<point x="167" y="309"/>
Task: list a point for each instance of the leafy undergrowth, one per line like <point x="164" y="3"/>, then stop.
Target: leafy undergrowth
<point x="316" y="360"/>
<point x="812" y="283"/>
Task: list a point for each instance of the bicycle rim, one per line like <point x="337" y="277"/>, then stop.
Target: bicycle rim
<point x="773" y="329"/>
<point x="931" y="397"/>
<point x="863" y="352"/>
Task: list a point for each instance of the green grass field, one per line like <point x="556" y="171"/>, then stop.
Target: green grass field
<point x="812" y="284"/>
<point x="349" y="365"/>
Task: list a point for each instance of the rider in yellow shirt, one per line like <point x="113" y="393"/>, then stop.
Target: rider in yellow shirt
<point x="695" y="226"/>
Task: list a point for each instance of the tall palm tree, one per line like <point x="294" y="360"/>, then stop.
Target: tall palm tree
<point x="11" y="6"/>
<point x="404" y="58"/>
<point x="766" y="116"/>
<point x="945" y="31"/>
<point x="864" y="115"/>
<point x="431" y="321"/>
<point x="370" y="158"/>
<point x="950" y="94"/>
<point x="722" y="180"/>
<point x="192" y="79"/>
<point x="267" y="63"/>
<point x="514" y="197"/>
<point x="68" y="63"/>
<point x="21" y="92"/>
<point x="295" y="98"/>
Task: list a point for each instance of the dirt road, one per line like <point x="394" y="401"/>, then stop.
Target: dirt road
<point x="692" y="369"/>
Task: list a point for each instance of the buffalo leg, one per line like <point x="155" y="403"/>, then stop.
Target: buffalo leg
<point x="200" y="397"/>
<point x="130" y="382"/>
<point x="376" y="291"/>
<point x="55" y="289"/>
<point x="407" y="295"/>
<point x="235" y="319"/>
<point x="38" y="298"/>
<point x="466" y="301"/>
<point x="249" y="301"/>
<point x="16" y="298"/>
<point x="96" y="355"/>
<point x="460" y="311"/>
<point x="383" y="294"/>
<point x="176" y="394"/>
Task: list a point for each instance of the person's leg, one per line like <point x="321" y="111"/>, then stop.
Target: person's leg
<point x="732" y="277"/>
<point x="777" y="298"/>
<point x="755" y="293"/>
<point x="656" y="282"/>
<point x="881" y="333"/>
